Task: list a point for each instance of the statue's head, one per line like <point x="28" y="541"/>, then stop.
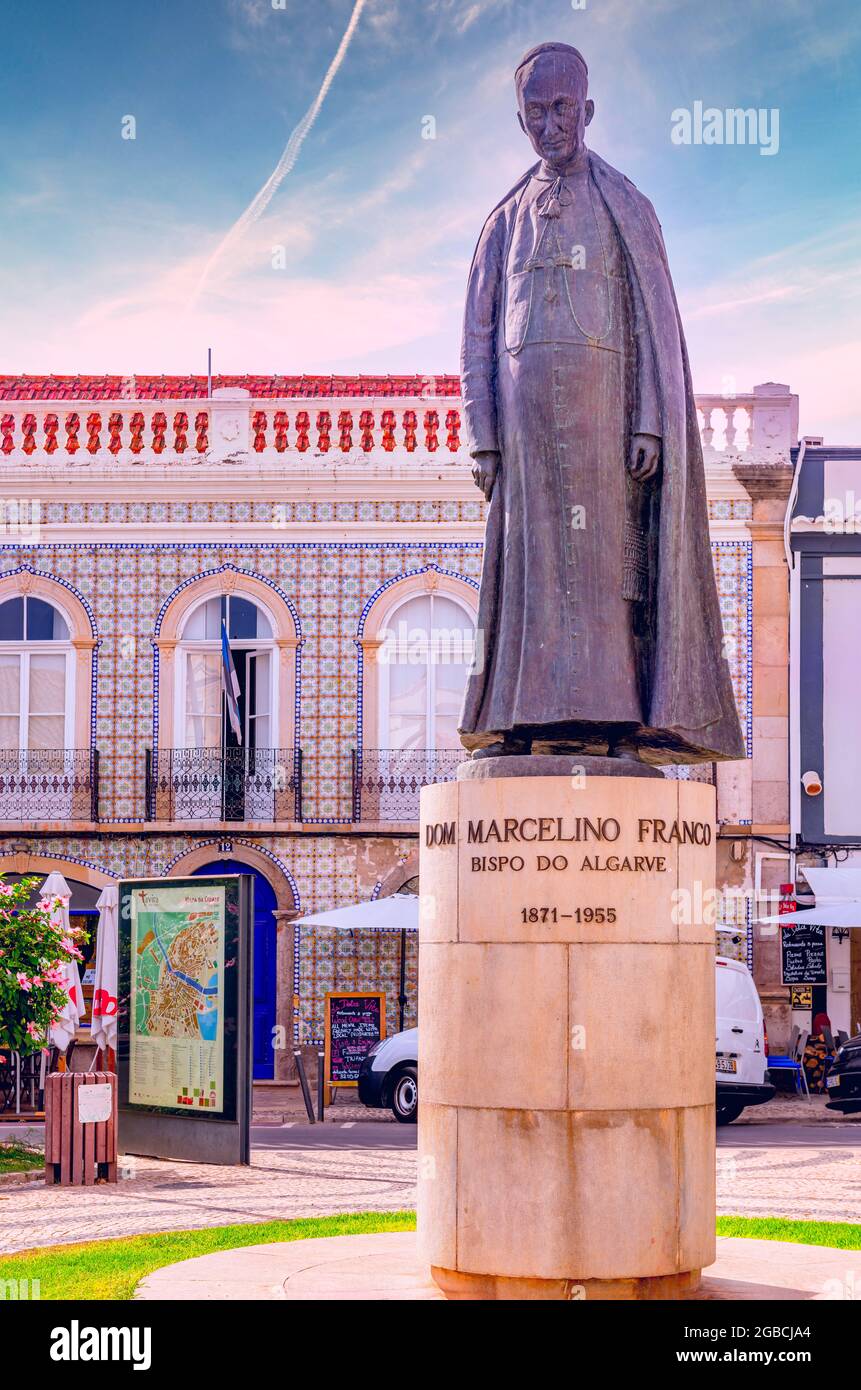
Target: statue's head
<point x="553" y="107"/>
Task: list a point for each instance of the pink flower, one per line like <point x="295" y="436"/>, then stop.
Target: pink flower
<point x="68" y="945"/>
<point x="23" y="981"/>
<point x="6" y="889"/>
<point x="34" y="1030"/>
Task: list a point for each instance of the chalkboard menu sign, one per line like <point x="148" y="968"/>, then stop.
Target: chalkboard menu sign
<point x="355" y="1020"/>
<point x="802" y="951"/>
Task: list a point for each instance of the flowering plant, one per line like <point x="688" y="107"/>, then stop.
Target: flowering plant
<point x="33" y="951"/>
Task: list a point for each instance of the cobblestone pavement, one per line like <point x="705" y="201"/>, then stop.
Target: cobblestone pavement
<point x="816" y="1182"/>
<point x="334" y="1114"/>
<point x="801" y="1110"/>
<point x="164" y="1196"/>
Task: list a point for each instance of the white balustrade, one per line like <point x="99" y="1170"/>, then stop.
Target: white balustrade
<point x="324" y="431"/>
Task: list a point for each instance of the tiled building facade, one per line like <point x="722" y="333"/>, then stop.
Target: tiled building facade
<point x="325" y="507"/>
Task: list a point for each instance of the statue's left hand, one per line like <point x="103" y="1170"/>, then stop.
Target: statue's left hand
<point x="644" y="457"/>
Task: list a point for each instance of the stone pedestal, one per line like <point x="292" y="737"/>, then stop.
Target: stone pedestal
<point x="566" y="1033"/>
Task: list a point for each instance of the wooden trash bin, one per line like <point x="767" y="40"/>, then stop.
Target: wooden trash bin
<point x="79" y="1149"/>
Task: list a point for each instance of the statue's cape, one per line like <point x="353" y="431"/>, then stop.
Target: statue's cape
<point x="691" y="693"/>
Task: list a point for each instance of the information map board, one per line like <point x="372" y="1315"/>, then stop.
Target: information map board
<point x="355" y="1020"/>
<point x="184" y="1015"/>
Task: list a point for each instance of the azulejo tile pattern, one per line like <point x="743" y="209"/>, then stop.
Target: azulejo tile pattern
<point x="266" y="513"/>
<point x="322" y="870"/>
<point x="730" y="509"/>
<point x="126" y="583"/>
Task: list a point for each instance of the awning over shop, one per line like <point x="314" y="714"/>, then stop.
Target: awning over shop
<point x="838" y="899"/>
<point x="400" y="912"/>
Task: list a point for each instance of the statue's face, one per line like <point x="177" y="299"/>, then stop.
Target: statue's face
<point x="554" y="109"/>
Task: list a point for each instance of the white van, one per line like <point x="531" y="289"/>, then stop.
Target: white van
<point x="741" y="1045"/>
<point x="389" y="1072"/>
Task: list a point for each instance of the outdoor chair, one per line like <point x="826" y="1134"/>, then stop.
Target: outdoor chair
<point x="793" y="1062"/>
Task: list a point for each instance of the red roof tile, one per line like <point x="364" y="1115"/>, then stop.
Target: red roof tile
<point x="154" y="388"/>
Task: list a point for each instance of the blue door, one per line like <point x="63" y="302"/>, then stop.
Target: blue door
<point x="264" y="963"/>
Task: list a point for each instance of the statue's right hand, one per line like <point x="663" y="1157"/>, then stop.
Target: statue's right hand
<point x="484" y="470"/>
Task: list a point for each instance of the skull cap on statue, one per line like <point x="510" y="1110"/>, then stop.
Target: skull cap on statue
<point x="549" y="50"/>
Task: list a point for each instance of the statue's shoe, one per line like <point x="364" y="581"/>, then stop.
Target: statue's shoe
<point x="506" y="748"/>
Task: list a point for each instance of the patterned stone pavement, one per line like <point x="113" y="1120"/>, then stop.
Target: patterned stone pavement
<point x="814" y="1182"/>
<point x="166" y="1196"/>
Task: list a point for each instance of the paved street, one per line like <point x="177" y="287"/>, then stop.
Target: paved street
<point x="287" y="1179"/>
<point x="795" y="1170"/>
<point x="350" y="1134"/>
<point x="793" y="1136"/>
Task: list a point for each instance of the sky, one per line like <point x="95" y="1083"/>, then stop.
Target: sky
<point x="123" y="255"/>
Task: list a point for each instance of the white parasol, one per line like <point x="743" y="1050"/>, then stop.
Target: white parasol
<point x="104" y="1025"/>
<point x="399" y="912"/>
<point x="66" y="1025"/>
<point x="838" y="899"/>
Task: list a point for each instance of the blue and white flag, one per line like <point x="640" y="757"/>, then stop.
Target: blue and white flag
<point x="230" y="681"/>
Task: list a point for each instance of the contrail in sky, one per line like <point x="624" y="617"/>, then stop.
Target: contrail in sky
<point x="290" y="154"/>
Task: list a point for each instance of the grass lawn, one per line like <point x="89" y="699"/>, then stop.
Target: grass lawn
<point x="837" y="1234"/>
<point x="17" y="1158"/>
<point x="111" y="1269"/>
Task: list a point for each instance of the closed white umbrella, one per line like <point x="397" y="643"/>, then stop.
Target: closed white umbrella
<point x="400" y="912"/>
<point x="104" y="1025"/>
<point x="66" y="1024"/>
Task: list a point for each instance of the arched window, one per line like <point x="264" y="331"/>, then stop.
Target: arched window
<point x="205" y="721"/>
<point x="425" y="654"/>
<point x="36" y="676"/>
<point x="224" y="765"/>
<point x="418" y="644"/>
<point x="42" y="775"/>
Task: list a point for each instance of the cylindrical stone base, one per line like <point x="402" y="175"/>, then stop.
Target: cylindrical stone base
<point x="566" y="1036"/>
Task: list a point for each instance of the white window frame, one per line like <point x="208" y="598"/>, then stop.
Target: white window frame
<point x="238" y="646"/>
<point x="384" y="668"/>
<point x="24" y="650"/>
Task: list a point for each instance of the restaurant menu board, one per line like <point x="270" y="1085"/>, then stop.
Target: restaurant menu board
<point x="355" y="1020"/>
<point x="176" y="1025"/>
<point x="802" y="951"/>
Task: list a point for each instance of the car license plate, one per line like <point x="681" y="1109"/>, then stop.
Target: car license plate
<point x="725" y="1064"/>
<point x="832" y="1081"/>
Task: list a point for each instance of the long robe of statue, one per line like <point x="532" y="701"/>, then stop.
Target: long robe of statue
<point x="598" y="611"/>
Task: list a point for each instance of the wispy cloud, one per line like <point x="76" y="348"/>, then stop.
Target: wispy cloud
<point x="104" y="244"/>
<point x="290" y="154"/>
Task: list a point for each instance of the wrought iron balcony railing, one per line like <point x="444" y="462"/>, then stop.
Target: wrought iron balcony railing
<point x="49" y="784"/>
<point x="387" y="781"/>
<point x="230" y="784"/>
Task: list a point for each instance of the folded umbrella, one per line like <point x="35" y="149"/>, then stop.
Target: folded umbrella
<point x="65" y="1025"/>
<point x="104" y="1025"/>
